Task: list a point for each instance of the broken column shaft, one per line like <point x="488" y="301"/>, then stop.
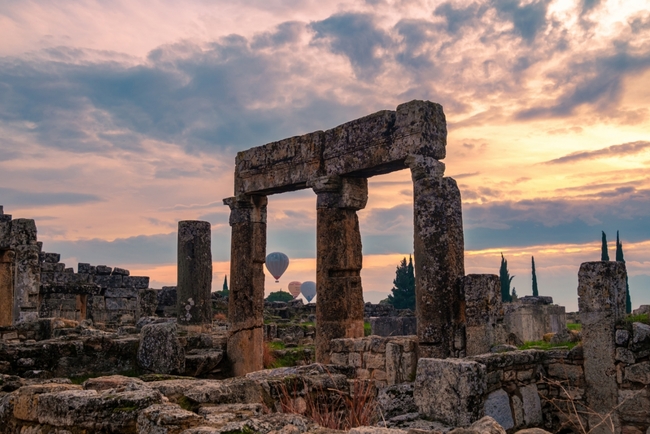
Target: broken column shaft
<point x="601" y="304"/>
<point x="194" y="304"/>
<point x="246" y="298"/>
<point x="339" y="307"/>
<point x="439" y="259"/>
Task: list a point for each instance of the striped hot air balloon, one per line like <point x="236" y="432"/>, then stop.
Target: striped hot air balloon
<point x="277" y="264"/>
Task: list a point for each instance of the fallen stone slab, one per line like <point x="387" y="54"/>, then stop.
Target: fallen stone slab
<point x="166" y="419"/>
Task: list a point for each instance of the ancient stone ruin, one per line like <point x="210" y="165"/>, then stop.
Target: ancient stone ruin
<point x="454" y="369"/>
<point x="336" y="164"/>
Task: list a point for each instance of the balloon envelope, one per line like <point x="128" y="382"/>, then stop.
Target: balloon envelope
<point x="308" y="289"/>
<point x="277" y="263"/>
<point x="294" y="289"/>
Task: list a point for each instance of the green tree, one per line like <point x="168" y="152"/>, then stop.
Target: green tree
<point x="504" y="276"/>
<point x="225" y="289"/>
<point x="621" y="258"/>
<point x="513" y="296"/>
<point x="279" y="296"/>
<point x="403" y="292"/>
<point x="535" y="290"/>
<point x="604" y="256"/>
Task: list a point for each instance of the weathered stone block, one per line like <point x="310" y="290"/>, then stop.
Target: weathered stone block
<point x="26" y="403"/>
<point x="23" y="232"/>
<point x="638" y="373"/>
<point x="374" y="361"/>
<point x="160" y="350"/>
<point x="120" y="271"/>
<point x="103" y="270"/>
<point x="120" y="304"/>
<point x="121" y="292"/>
<point x="624" y="355"/>
<point x="622" y="336"/>
<point x="50" y="258"/>
<point x="532" y="405"/>
<point x="137" y="282"/>
<point x="450" y="391"/>
<point x="107" y="281"/>
<point x="84" y="268"/>
<point x="167" y="419"/>
<point x="497" y="406"/>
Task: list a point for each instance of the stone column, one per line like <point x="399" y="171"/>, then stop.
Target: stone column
<point x="27" y="274"/>
<point x="246" y="299"/>
<point x="193" y="302"/>
<point x="439" y="260"/>
<point x="601" y="302"/>
<point x="483" y="310"/>
<point x="339" y="307"/>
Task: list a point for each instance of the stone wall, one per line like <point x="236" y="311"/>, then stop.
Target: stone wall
<point x="530" y="318"/>
<point x="387" y="360"/>
<point x="633" y="377"/>
<point x="393" y="325"/>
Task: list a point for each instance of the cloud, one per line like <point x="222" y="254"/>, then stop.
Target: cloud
<point x="629" y="148"/>
<point x="356" y="36"/>
<point x="10" y="197"/>
<point x="528" y="19"/>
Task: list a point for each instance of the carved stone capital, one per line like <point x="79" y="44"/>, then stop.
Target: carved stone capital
<point x="424" y="167"/>
<point x="338" y="192"/>
<point x="247" y="209"/>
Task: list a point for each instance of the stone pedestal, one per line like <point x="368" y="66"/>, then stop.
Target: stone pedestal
<point x="194" y="305"/>
<point x="339" y="307"/>
<point x="601" y="291"/>
<point x="439" y="259"/>
<point x="483" y="309"/>
<point x="246" y="299"/>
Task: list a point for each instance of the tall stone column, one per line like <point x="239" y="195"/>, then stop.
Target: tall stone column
<point x="439" y="260"/>
<point x="194" y="257"/>
<point x="601" y="304"/>
<point x="339" y="308"/>
<point x="246" y="299"/>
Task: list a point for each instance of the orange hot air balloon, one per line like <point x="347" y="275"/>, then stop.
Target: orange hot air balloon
<point x="294" y="289"/>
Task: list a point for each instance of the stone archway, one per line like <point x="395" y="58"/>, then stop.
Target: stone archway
<point x="336" y="164"/>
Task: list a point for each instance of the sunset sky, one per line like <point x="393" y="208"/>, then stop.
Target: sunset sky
<point x="120" y="118"/>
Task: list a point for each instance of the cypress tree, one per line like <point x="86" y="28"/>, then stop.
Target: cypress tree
<point x="621" y="258"/>
<point x="604" y="256"/>
<point x="504" y="276"/>
<point x="535" y="290"/>
<point x="403" y="292"/>
<point x="225" y="284"/>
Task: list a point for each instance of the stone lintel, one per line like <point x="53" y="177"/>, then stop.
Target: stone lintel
<point x="372" y="145"/>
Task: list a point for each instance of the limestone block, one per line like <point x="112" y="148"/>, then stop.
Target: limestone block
<point x="160" y="350"/>
<point x="497" y="406"/>
<point x="396" y="400"/>
<point x="103" y="270"/>
<point x="640" y="336"/>
<point x="601" y="288"/>
<point x="120" y="271"/>
<point x="120" y="304"/>
<point x="107" y="281"/>
<point x="634" y="406"/>
<point x="26" y="402"/>
<point x="202" y="361"/>
<point x="450" y="390"/>
<point x="137" y="282"/>
<point x="147" y="302"/>
<point x="233" y="390"/>
<point x="573" y="373"/>
<point x="622" y="336"/>
<point x="374" y="361"/>
<point x="121" y="293"/>
<point x="100" y="384"/>
<point x="624" y="355"/>
<point x="167" y="419"/>
<point x="111" y="409"/>
<point x="85" y="268"/>
<point x="23" y="232"/>
<point x="356" y="360"/>
<point x="532" y="405"/>
<point x="638" y="373"/>
<point x="50" y="258"/>
<point x="339" y="359"/>
<point x="5" y="231"/>
<point x="47" y="267"/>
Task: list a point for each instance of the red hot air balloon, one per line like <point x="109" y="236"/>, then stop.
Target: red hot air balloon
<point x="294" y="289"/>
<point x="277" y="263"/>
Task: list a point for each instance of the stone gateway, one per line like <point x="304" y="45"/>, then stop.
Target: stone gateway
<point x="336" y="164"/>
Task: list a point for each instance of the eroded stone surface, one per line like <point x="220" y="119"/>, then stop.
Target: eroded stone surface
<point x="194" y="273"/>
<point x="160" y="350"/>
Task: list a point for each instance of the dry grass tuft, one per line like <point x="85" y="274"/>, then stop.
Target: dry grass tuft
<point x="268" y="359"/>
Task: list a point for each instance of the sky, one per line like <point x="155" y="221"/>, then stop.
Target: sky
<point x="120" y="118"/>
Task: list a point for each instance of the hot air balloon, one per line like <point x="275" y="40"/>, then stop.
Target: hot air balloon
<point x="294" y="289"/>
<point x="277" y="263"/>
<point x="308" y="290"/>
